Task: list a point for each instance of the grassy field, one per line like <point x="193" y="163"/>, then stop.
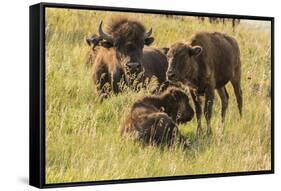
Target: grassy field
<point x="83" y="142"/>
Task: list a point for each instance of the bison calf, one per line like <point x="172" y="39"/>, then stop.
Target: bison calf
<point x="208" y="62"/>
<point x="153" y="119"/>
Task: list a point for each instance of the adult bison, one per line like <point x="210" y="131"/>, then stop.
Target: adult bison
<point x="208" y="62"/>
<point x="123" y="53"/>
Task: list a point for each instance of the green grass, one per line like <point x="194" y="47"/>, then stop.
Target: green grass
<point x="83" y="141"/>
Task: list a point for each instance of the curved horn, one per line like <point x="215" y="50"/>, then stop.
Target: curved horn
<point x="148" y="33"/>
<point x="104" y="35"/>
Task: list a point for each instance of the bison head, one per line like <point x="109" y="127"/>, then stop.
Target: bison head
<point x="178" y="105"/>
<point x="128" y="38"/>
<point x="183" y="65"/>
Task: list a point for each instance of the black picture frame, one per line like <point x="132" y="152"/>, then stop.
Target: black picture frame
<point x="37" y="94"/>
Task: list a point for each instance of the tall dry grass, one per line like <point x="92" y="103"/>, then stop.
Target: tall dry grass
<point x="82" y="135"/>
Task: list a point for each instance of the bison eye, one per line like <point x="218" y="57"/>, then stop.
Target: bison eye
<point x="130" y="46"/>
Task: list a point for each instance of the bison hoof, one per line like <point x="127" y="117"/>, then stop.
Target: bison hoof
<point x="199" y="132"/>
<point x="187" y="145"/>
<point x="103" y="96"/>
<point x="221" y="128"/>
<point x="209" y="132"/>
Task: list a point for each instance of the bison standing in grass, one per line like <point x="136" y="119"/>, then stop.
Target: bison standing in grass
<point x="208" y="62"/>
<point x="153" y="119"/>
<point x="123" y="54"/>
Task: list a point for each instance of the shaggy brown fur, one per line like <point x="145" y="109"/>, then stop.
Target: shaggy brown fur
<point x="125" y="57"/>
<point x="153" y="119"/>
<point x="125" y="29"/>
<point x="154" y="63"/>
<point x="209" y="61"/>
<point x="120" y="53"/>
<point x="105" y="66"/>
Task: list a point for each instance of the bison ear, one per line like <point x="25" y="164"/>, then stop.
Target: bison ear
<point x="88" y="41"/>
<point x="148" y="41"/>
<point x="164" y="50"/>
<point x="196" y="50"/>
<point x="93" y="40"/>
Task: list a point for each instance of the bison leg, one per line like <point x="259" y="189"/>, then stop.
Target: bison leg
<point x="163" y="131"/>
<point x="209" y="100"/>
<point x="238" y="94"/>
<point x="233" y="25"/>
<point x="167" y="133"/>
<point x="115" y="81"/>
<point x="100" y="79"/>
<point x="224" y="102"/>
<point x="197" y="102"/>
<point x="139" y="82"/>
<point x="157" y="128"/>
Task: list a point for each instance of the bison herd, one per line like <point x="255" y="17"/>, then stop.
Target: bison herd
<point x="205" y="63"/>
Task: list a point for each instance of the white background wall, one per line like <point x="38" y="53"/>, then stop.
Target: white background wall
<point x="14" y="71"/>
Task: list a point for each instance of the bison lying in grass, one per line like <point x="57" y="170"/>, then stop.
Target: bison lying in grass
<point x="123" y="55"/>
<point x="208" y="62"/>
<point x="153" y="119"/>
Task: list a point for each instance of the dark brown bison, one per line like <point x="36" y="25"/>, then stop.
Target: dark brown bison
<point x="155" y="64"/>
<point x="153" y="119"/>
<point x="123" y="53"/>
<point x="208" y="62"/>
